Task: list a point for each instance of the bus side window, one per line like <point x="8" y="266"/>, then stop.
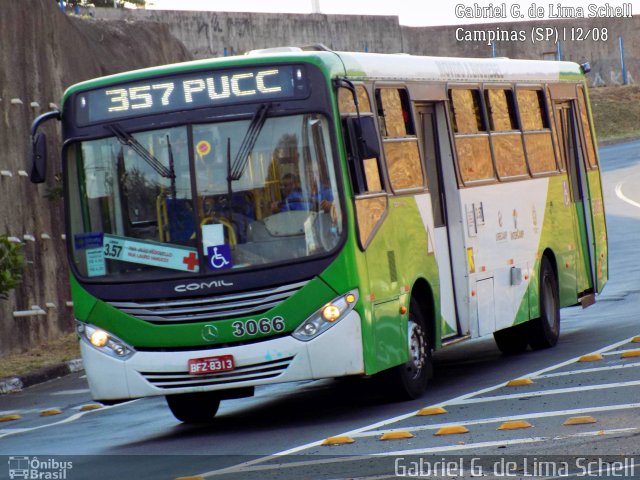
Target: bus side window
<point x="536" y="131"/>
<point x="592" y="161"/>
<point x="346" y="104"/>
<point x="471" y="135"/>
<point x="366" y="173"/>
<point x="399" y="139"/>
<point x="506" y="137"/>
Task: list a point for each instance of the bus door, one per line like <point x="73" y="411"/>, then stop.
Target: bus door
<point x="572" y="152"/>
<point x="441" y="181"/>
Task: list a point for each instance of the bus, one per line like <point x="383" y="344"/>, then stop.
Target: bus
<point x="300" y="213"/>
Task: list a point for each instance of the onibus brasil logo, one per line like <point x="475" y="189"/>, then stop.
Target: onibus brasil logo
<point x="37" y="469"/>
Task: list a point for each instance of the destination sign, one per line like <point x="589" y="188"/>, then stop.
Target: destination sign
<point x="189" y="91"/>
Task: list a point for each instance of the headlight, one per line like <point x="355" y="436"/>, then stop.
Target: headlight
<point x="327" y="316"/>
<point x="104" y="341"/>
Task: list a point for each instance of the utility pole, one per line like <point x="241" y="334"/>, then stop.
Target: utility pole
<point x="315" y="6"/>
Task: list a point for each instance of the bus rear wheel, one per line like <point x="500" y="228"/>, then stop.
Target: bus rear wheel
<point x="194" y="407"/>
<point x="409" y="381"/>
<point x="545" y="331"/>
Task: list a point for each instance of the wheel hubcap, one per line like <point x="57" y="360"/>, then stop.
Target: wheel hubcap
<point x="417" y="349"/>
<point x="550" y="311"/>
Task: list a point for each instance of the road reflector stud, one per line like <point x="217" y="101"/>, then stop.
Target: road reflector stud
<point x="401" y="435"/>
<point x="340" y="440"/>
<point x="519" y="382"/>
<point x="514" y="425"/>
<point x="50" y="412"/>
<point x="431" y="411"/>
<point x="453" y="430"/>
<point x="630" y="354"/>
<point x="636" y="340"/>
<point x="90" y="406"/>
<point x="582" y="420"/>
<point x="593" y="357"/>
<point x="9" y="418"/>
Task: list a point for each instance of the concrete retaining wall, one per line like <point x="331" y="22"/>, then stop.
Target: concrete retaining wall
<point x="42" y="52"/>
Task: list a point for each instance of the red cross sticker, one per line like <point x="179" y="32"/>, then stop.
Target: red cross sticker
<point x="191" y="261"/>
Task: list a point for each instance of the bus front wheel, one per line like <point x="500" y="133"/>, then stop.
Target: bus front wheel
<point x="409" y="380"/>
<point x="545" y="330"/>
<point x="194" y="407"/>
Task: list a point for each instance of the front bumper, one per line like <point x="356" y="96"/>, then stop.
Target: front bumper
<point x="335" y="353"/>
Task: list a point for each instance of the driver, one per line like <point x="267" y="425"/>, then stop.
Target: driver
<point x="292" y="198"/>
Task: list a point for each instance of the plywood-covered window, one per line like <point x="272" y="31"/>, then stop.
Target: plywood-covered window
<point x="592" y="161"/>
<point x="506" y="137"/>
<point x="536" y="132"/>
<point x="366" y="173"/>
<point x="399" y="138"/>
<point x="471" y="135"/>
<point x="346" y="103"/>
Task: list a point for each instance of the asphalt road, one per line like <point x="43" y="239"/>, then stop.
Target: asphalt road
<point x="141" y="439"/>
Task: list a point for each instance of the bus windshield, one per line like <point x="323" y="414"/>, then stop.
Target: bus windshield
<point x="201" y="198"/>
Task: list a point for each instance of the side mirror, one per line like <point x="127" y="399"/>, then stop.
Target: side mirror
<point x="366" y="137"/>
<point x="39" y="147"/>
<point x="38" y="158"/>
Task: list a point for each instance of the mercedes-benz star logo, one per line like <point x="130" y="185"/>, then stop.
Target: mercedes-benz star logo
<point x="209" y="333"/>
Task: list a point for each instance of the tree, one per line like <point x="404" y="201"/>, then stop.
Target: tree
<point x="11" y="266"/>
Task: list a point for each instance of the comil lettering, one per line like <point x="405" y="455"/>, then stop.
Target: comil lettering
<point x="190" y="287"/>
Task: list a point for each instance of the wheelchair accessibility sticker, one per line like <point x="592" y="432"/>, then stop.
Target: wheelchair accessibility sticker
<point x="219" y="257"/>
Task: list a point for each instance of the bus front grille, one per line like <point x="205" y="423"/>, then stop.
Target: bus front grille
<point x="203" y="309"/>
<point x="182" y="379"/>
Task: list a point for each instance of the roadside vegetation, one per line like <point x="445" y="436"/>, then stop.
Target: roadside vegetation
<point x="51" y="353"/>
<point x="616" y="112"/>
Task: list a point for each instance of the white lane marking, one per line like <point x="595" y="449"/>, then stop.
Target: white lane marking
<point x="412" y="413"/>
<point x="450" y="448"/>
<point x="541" y="393"/>
<point x="623" y="197"/>
<point x="482" y="421"/>
<point x="71" y="392"/>
<point x="589" y="370"/>
<point x="417" y="451"/>
<point x="72" y="418"/>
<point x="620" y="352"/>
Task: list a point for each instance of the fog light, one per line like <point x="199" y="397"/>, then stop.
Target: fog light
<point x="331" y="313"/>
<point x="310" y="329"/>
<point x="99" y="338"/>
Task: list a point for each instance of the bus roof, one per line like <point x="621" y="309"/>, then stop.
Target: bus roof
<point x="373" y="66"/>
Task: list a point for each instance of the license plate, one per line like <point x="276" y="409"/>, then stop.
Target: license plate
<point x="199" y="366"/>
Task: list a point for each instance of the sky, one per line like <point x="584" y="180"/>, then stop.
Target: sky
<point x="410" y="12"/>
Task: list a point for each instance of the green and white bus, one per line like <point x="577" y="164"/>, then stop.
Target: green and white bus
<point x="299" y="213"/>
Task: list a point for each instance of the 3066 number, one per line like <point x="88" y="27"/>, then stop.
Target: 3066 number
<point x="254" y="327"/>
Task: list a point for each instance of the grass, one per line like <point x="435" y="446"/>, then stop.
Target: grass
<point x="616" y="112"/>
<point x="51" y="353"/>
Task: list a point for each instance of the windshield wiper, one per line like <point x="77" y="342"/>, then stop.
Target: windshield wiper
<point x="172" y="169"/>
<point x="127" y="140"/>
<point x="248" y="142"/>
